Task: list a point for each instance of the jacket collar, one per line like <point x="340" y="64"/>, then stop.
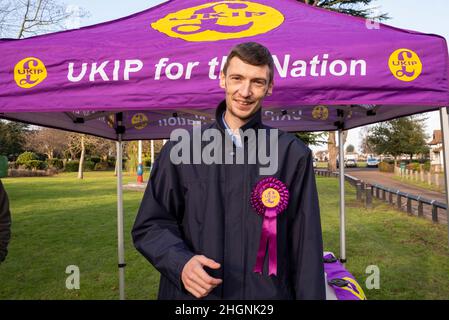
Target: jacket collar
<point x="254" y="122"/>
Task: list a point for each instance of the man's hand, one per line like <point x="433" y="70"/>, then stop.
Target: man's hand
<point x="196" y="280"/>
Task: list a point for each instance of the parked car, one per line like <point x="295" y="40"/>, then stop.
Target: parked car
<point x="372" y="162"/>
<point x="351" y="163"/>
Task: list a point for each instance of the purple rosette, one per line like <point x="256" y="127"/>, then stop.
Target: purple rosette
<point x="269" y="198"/>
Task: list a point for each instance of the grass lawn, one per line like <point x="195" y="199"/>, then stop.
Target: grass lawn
<point x="423" y="185"/>
<point x="323" y="164"/>
<point x="60" y="221"/>
<point x="361" y="164"/>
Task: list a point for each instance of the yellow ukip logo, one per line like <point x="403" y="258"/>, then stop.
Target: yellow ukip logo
<point x="219" y="21"/>
<point x="405" y="65"/>
<point x="139" y="121"/>
<point x="29" y="72"/>
<point x="320" y="112"/>
<point x="270" y="198"/>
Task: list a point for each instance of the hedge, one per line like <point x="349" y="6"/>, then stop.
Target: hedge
<point x="72" y="166"/>
<point x="25" y="157"/>
<point x="386" y="167"/>
<point x="101" y="166"/>
<point x="55" y="163"/>
<point x="35" y="165"/>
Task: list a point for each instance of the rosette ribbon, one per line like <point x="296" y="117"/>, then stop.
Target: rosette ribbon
<point x="269" y="198"/>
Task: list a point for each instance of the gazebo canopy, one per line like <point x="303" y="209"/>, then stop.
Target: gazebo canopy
<point x="160" y="69"/>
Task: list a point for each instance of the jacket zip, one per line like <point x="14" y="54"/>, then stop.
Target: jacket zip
<point x="244" y="220"/>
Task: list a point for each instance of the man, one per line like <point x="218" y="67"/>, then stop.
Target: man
<point x="5" y="223"/>
<point x="196" y="224"/>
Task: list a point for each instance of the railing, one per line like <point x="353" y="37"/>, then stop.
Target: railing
<point x="365" y="193"/>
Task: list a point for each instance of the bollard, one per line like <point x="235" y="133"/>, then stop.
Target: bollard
<point x="390" y="197"/>
<point x="398" y="201"/>
<point x="434" y="212"/>
<point x="359" y="191"/>
<point x="384" y="195"/>
<point x="420" y="209"/>
<point x="409" y="205"/>
<point x="368" y="196"/>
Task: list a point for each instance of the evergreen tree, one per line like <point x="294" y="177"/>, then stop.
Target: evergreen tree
<point x="12" y="138"/>
<point x="357" y="8"/>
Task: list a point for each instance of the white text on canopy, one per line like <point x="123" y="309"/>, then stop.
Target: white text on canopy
<point x="170" y="69"/>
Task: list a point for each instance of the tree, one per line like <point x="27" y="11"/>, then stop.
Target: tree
<point x="158" y="144"/>
<point x="355" y="8"/>
<point x="47" y="141"/>
<point x="22" y="18"/>
<point x="332" y="149"/>
<point x="351" y="7"/>
<point x="350" y="148"/>
<point x="132" y="150"/>
<point x="102" y="148"/>
<point x="78" y="145"/>
<point x="365" y="146"/>
<point x="12" y="138"/>
<point x="312" y="139"/>
<point x="399" y="136"/>
<point x="83" y="153"/>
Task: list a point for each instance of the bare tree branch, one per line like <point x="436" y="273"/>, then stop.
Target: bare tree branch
<point x="25" y="17"/>
<point x="22" y="18"/>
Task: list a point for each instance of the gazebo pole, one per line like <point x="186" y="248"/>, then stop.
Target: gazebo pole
<point x="152" y="155"/>
<point x="444" y="118"/>
<point x="120" y="233"/>
<point x="139" y="164"/>
<point x="341" y="176"/>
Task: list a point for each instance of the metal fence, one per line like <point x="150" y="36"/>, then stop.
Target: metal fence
<point x="403" y="201"/>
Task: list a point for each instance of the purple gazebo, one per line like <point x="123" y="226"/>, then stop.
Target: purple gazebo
<point x="142" y="76"/>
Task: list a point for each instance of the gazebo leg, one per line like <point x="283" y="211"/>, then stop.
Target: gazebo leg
<point x="341" y="169"/>
<point x="444" y="118"/>
<point x="120" y="233"/>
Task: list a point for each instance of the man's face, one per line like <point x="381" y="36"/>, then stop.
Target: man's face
<point x="245" y="86"/>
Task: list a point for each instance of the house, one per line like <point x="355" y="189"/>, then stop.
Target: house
<point x="322" y="155"/>
<point x="436" y="151"/>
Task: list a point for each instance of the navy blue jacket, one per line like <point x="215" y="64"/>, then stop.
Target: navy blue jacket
<point x="190" y="209"/>
<point x="5" y="223"/>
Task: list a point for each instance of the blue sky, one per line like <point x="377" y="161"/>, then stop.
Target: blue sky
<point x="424" y="16"/>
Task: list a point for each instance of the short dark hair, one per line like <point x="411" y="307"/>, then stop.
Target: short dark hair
<point x="252" y="53"/>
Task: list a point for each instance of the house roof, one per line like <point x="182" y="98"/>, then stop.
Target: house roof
<point x="437" y="138"/>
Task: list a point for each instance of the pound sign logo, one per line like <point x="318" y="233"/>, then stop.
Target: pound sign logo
<point x="29" y="72"/>
<point x="405" y="65"/>
<point x="220" y="20"/>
